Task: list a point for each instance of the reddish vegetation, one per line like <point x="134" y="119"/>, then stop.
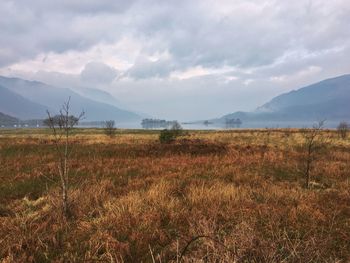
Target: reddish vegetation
<point x="212" y="197"/>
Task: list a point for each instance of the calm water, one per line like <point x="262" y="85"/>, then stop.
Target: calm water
<point x="199" y="126"/>
<point x="251" y="125"/>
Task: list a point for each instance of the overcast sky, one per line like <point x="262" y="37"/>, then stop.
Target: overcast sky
<point x="177" y="59"/>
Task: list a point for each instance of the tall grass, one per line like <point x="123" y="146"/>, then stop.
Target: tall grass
<point x="213" y="197"/>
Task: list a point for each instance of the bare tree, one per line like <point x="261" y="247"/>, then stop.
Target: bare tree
<point x="313" y="141"/>
<point x="61" y="126"/>
<point x="343" y="129"/>
<point x="109" y="128"/>
<point x="176" y="128"/>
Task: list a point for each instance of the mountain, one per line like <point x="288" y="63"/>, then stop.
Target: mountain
<point x="53" y="98"/>
<point x="16" y="105"/>
<point x="328" y="99"/>
<point x="6" y="120"/>
<point x="105" y="97"/>
<point x="98" y="95"/>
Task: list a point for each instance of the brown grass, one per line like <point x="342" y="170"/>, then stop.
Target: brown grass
<point x="234" y="196"/>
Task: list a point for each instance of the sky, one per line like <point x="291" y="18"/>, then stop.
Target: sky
<point x="183" y="59"/>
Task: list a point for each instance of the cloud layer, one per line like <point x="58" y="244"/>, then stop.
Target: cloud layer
<point x="205" y="57"/>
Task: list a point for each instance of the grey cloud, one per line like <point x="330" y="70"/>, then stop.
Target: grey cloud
<point x="30" y="28"/>
<point x="98" y="73"/>
<point x="256" y="33"/>
<point x="145" y="68"/>
<point x="76" y="6"/>
<point x="251" y="34"/>
<point x="260" y="39"/>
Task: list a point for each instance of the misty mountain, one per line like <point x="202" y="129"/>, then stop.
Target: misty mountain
<point x="7" y="120"/>
<point x="328" y="99"/>
<point x="98" y="95"/>
<point x="52" y="98"/>
<point x="16" y="105"/>
<point x="105" y="97"/>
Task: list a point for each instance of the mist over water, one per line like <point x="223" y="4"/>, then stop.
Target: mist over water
<point x="244" y="125"/>
<point x="260" y="125"/>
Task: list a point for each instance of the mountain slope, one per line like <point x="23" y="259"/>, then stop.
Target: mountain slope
<point x="322" y="92"/>
<point x="328" y="99"/>
<point x="98" y="95"/>
<point x="54" y="97"/>
<point x="7" y="120"/>
<point x="15" y="105"/>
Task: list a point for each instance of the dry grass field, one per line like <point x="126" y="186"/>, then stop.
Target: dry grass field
<point x="211" y="196"/>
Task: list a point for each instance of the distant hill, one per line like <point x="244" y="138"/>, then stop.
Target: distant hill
<point x="105" y="97"/>
<point x="16" y="105"/>
<point x="7" y="120"/>
<point x="328" y="99"/>
<point x="52" y="98"/>
<point x="98" y="95"/>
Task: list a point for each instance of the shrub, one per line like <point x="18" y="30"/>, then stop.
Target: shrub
<point x="314" y="142"/>
<point x="167" y="136"/>
<point x="343" y="129"/>
<point x="109" y="128"/>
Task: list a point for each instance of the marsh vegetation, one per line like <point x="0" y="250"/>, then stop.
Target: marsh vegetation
<point x="208" y="196"/>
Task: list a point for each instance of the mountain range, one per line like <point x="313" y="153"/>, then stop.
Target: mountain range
<point x="328" y="99"/>
<point x="25" y="100"/>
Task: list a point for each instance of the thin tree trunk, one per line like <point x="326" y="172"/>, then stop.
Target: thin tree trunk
<point x="65" y="177"/>
<point x="64" y="200"/>
<point x="308" y="174"/>
<point x="309" y="160"/>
